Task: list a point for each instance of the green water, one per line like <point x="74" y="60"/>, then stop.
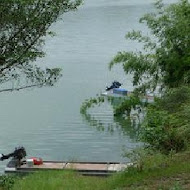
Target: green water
<point x="47" y="121"/>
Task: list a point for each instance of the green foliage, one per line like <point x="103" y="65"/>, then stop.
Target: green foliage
<point x="174" y="99"/>
<point x="166" y="125"/>
<point x="158" y="170"/>
<point x="24" y="24"/>
<point x="125" y="107"/>
<point x="123" y="119"/>
<point x="165" y="58"/>
<point x="90" y="103"/>
<point x="7" y="181"/>
<point x="148" y="160"/>
<point x="137" y="157"/>
<point x="160" y="132"/>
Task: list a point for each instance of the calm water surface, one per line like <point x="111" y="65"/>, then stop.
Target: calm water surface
<point x="47" y="121"/>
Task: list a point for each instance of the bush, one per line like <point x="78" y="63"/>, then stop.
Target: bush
<point x="160" y="133"/>
<point x="167" y="124"/>
<point x="174" y="99"/>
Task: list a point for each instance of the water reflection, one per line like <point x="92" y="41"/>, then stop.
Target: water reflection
<point x="102" y="118"/>
<point x="47" y="121"/>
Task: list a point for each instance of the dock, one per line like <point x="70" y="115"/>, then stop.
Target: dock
<point x="84" y="168"/>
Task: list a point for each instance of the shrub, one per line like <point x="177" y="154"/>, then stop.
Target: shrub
<point x="166" y="126"/>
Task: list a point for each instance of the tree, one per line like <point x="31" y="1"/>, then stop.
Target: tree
<point x="165" y="58"/>
<point x="23" y="26"/>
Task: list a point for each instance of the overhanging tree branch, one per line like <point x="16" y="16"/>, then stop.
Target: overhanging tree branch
<point x="23" y="28"/>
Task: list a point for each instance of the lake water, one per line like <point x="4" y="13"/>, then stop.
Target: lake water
<point x="47" y="121"/>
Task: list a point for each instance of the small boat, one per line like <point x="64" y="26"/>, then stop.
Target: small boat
<point x="19" y="164"/>
<point x="116" y="91"/>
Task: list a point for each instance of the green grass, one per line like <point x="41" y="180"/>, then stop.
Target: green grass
<point x="171" y="173"/>
<point x="57" y="180"/>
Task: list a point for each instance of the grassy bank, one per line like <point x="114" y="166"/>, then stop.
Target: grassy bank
<point x="165" y="130"/>
<point x="163" y="165"/>
<point x="159" y="172"/>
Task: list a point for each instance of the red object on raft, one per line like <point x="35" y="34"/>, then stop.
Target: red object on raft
<point x="37" y="161"/>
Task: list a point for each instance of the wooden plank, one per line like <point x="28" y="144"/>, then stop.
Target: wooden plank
<point x="86" y="166"/>
<point x="118" y="167"/>
<point x="45" y="165"/>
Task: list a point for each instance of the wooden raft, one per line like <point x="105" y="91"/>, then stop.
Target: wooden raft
<point x="85" y="168"/>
